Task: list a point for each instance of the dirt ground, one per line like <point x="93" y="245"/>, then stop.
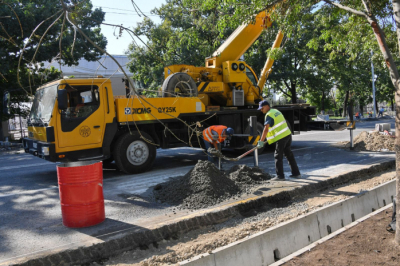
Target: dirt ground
<point x="365" y="244"/>
<point x="374" y="141"/>
<point x="170" y="252"/>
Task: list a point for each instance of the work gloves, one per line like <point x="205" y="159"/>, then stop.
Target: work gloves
<point x="260" y="144"/>
<point x="214" y="152"/>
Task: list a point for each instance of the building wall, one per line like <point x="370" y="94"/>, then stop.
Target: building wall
<point x="108" y="69"/>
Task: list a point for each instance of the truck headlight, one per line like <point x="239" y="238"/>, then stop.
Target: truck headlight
<point x="45" y="151"/>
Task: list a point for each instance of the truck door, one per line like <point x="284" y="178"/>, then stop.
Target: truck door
<point x="82" y="124"/>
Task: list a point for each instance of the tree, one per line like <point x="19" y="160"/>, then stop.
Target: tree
<point x="385" y="90"/>
<point x="18" y="21"/>
<point x="367" y="25"/>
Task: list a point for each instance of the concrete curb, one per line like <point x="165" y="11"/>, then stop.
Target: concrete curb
<point x="275" y="243"/>
<point x="115" y="243"/>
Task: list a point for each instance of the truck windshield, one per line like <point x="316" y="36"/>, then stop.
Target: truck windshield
<point x="43" y="104"/>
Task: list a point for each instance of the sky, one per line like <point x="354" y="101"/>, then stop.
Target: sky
<point x="122" y="12"/>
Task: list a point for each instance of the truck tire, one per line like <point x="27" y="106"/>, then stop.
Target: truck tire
<point x="179" y="84"/>
<point x="133" y="154"/>
<point x="254" y="141"/>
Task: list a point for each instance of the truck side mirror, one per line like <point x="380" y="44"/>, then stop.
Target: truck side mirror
<point x="62" y="98"/>
<point x="6" y="103"/>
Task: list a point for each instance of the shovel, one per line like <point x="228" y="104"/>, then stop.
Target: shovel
<point x="219" y="154"/>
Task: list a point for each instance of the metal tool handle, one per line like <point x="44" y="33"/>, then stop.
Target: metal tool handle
<point x="246" y="153"/>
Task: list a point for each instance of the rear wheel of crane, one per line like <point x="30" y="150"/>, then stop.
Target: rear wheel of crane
<point x="133" y="154"/>
<point x="179" y="84"/>
<point x="254" y="139"/>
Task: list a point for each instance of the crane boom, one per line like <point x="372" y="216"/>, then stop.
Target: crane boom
<point x="268" y="65"/>
<point x="239" y="41"/>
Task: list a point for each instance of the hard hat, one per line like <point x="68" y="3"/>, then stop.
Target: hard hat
<point x="262" y="103"/>
<point x="230" y="131"/>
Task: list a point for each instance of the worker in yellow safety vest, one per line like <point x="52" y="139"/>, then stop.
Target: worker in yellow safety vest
<point x="276" y="130"/>
<point x="213" y="137"/>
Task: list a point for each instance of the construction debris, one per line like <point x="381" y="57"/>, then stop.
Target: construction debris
<point x="205" y="185"/>
<point x="372" y="141"/>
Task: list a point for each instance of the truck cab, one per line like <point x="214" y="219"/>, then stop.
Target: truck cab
<point x="71" y="119"/>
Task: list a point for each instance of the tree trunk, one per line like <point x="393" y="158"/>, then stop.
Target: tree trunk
<point x="346" y="99"/>
<point x="293" y="91"/>
<point x="376" y="106"/>
<point x="323" y="103"/>
<point x="361" y="109"/>
<point x="395" y="80"/>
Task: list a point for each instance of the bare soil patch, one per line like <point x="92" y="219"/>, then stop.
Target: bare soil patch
<point x="170" y="252"/>
<point x="368" y="243"/>
<point x="374" y="141"/>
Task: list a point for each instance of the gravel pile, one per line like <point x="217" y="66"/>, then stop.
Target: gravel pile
<point x="372" y="142"/>
<point x="205" y="185"/>
<point x="247" y="175"/>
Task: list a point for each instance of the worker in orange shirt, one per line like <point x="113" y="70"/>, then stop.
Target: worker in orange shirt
<point x="213" y="137"/>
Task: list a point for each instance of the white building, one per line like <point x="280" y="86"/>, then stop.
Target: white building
<point x="105" y="67"/>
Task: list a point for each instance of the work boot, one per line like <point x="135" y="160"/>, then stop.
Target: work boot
<point x="295" y="176"/>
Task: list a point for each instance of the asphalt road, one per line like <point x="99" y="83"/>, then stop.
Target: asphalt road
<point x="30" y="214"/>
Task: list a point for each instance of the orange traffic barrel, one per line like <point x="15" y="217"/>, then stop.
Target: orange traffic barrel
<point x="81" y="193"/>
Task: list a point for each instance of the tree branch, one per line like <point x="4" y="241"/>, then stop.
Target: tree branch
<point x="279" y="88"/>
<point x="366" y="6"/>
<point x="287" y="85"/>
<point x="349" y="9"/>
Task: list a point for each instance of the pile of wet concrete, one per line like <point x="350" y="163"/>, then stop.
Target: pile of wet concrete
<point x="205" y="185"/>
<point x="372" y="141"/>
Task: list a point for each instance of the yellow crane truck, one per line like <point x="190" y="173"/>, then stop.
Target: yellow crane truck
<point x="80" y="119"/>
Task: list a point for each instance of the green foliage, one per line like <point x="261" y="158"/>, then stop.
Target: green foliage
<point x="16" y="28"/>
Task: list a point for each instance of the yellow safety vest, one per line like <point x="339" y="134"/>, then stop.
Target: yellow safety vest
<point x="280" y="128"/>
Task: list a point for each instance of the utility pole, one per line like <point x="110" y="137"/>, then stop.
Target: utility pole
<point x="373" y="85"/>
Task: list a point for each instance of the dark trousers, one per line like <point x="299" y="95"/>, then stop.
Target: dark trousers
<point x="283" y="147"/>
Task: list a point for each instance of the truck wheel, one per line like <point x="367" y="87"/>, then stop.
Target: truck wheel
<point x="254" y="140"/>
<point x="179" y="84"/>
<point x="133" y="154"/>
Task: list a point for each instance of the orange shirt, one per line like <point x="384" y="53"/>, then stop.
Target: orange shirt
<point x="210" y="137"/>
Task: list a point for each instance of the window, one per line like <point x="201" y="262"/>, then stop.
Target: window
<point x="42" y="107"/>
<point x="82" y="101"/>
<point x="251" y="76"/>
